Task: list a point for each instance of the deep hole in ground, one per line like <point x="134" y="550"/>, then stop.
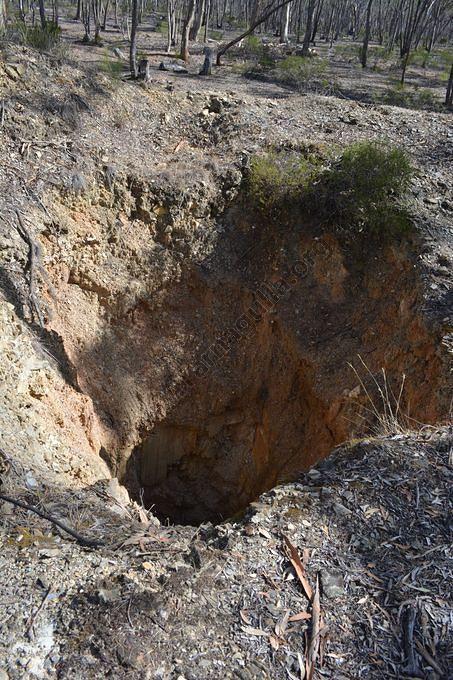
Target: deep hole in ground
<point x="217" y="362"/>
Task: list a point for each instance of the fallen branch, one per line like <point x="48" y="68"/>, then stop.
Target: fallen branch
<point x="87" y="542"/>
<point x="268" y="11"/>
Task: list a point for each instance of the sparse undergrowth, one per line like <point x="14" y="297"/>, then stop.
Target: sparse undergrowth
<point x="42" y="39"/>
<point x="302" y="73"/>
<point x="299" y="73"/>
<point x="418" y="98"/>
<point x="361" y="189"/>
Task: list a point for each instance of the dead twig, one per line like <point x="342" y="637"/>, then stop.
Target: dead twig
<point x="429" y="659"/>
<point x="411" y="667"/>
<point x="87" y="542"/>
<point x="128" y="612"/>
<point x="33" y="618"/>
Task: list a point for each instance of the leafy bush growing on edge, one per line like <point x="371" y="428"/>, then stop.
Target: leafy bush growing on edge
<point x="361" y="189"/>
<point x="279" y="176"/>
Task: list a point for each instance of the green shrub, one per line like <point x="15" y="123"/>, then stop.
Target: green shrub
<point x="253" y="45"/>
<point x="378" y="56"/>
<point x="360" y="190"/>
<point x="111" y="67"/>
<point x="363" y="186"/>
<point x="162" y="27"/>
<point x="301" y="72"/>
<point x="42" y="39"/>
<point x="277" y="176"/>
<point x="348" y="52"/>
<point x="401" y="95"/>
<point x="420" y="57"/>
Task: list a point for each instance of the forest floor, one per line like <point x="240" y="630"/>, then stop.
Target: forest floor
<point x="346" y="569"/>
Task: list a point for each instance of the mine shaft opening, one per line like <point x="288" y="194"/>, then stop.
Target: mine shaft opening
<point x="165" y="475"/>
<point x="281" y="395"/>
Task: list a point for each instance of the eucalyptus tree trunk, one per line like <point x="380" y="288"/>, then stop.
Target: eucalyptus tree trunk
<point x="366" y="39"/>
<point x="85" y="9"/>
<point x="2" y="15"/>
<point x="42" y="14"/>
<point x="171" y="22"/>
<point x="104" y="20"/>
<point x="207" y="18"/>
<point x="96" y="9"/>
<point x="55" y="13"/>
<point x="199" y="14"/>
<point x="133" y="45"/>
<point x="186" y="29"/>
<point x="308" y="28"/>
<point x="316" y="19"/>
<point x="299" y="21"/>
<point x="284" y="23"/>
<point x="449" y="94"/>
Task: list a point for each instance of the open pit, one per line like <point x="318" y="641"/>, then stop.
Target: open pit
<point x="215" y="345"/>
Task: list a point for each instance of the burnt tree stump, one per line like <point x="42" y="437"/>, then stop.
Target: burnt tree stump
<point x="207" y="66"/>
<point x="144" y="70"/>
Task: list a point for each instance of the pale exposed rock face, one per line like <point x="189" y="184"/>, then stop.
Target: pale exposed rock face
<point x="47" y="426"/>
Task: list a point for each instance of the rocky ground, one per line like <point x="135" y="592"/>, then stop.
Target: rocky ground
<point x="368" y="530"/>
<point x="119" y="188"/>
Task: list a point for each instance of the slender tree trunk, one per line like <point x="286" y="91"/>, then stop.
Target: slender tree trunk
<point x="199" y="14"/>
<point x="77" y="14"/>
<point x="316" y="19"/>
<point x="86" y="19"/>
<point x="22" y="11"/>
<point x="299" y="21"/>
<point x="405" y="63"/>
<point x="171" y="22"/>
<point x="284" y="23"/>
<point x="104" y="20"/>
<point x="307" y="36"/>
<point x="2" y="15"/>
<point x="96" y="8"/>
<point x="207" y="20"/>
<point x="42" y="14"/>
<point x="329" y="25"/>
<point x="133" y="45"/>
<point x="449" y="95"/>
<point x="366" y="39"/>
<point x="186" y="29"/>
